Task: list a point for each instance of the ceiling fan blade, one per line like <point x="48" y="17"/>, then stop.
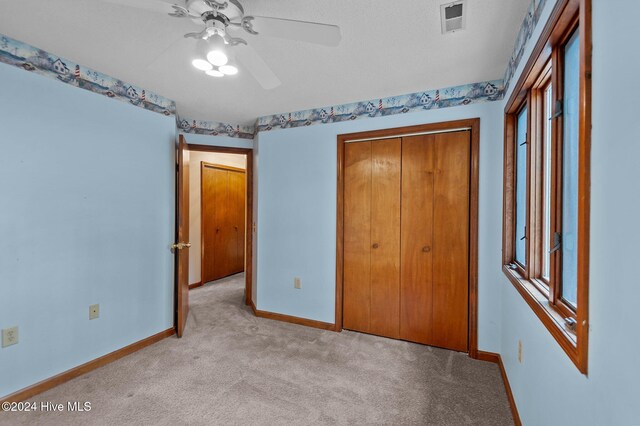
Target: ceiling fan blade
<point x="310" y="32"/>
<point x="171" y="54"/>
<point x="160" y="6"/>
<point x="257" y="67"/>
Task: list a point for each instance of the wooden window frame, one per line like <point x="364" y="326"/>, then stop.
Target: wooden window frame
<point x="545" y="83"/>
<point x="544" y="67"/>
<point x="521" y="269"/>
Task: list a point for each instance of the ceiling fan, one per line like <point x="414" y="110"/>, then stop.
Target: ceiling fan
<point x="219" y="43"/>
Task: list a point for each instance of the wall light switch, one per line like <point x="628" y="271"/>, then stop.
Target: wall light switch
<point x="9" y="336"/>
<point x="94" y="311"/>
<point x="296" y="283"/>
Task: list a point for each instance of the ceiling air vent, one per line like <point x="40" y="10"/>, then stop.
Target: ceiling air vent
<point x="453" y="16"/>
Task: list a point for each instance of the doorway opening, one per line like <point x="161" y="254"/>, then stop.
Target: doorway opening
<point x="214" y="220"/>
<point x="217" y="216"/>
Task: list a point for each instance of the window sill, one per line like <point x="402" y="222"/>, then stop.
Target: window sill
<point x="551" y="318"/>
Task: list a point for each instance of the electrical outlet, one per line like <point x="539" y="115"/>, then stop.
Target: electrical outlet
<point x="94" y="311"/>
<point x="296" y="283"/>
<point x="520" y="351"/>
<point x="9" y="336"/>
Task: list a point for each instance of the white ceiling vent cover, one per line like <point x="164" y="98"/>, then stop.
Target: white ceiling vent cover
<point x="453" y="16"/>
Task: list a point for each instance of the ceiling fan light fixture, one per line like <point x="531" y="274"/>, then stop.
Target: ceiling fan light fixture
<point x="229" y="70"/>
<point x="217" y="58"/>
<point x="214" y="73"/>
<point x="202" y="65"/>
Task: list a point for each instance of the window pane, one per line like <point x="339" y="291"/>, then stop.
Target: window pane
<point x="570" y="170"/>
<point x="521" y="188"/>
<point x="546" y="212"/>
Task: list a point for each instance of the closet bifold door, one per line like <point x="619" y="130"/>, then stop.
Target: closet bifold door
<point x="237" y="212"/>
<point x="372" y="237"/>
<point x="223" y="224"/>
<point x="416" y="276"/>
<point x="435" y="240"/>
<point x="214" y="201"/>
<point x="222" y="255"/>
<point x="452" y="163"/>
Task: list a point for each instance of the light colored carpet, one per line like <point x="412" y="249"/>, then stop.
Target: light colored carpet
<point x="232" y="368"/>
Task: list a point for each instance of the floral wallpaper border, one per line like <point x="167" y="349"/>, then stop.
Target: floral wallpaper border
<point x="430" y="99"/>
<point x="526" y="31"/>
<point x="214" y="128"/>
<point x="29" y="58"/>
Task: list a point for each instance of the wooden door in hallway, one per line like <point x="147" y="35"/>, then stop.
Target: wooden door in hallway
<point x="406" y="238"/>
<point x="223" y="221"/>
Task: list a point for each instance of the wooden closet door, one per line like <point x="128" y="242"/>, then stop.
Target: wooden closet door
<point x="222" y="252"/>
<point x="416" y="288"/>
<point x="213" y="197"/>
<point x="223" y="221"/>
<point x="435" y="239"/>
<point x="372" y="237"/>
<point x="451" y="240"/>
<point x="357" y="237"/>
<point x="385" y="237"/>
<point x="237" y="212"/>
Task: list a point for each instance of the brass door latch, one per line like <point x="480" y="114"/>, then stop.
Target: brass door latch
<point x="180" y="246"/>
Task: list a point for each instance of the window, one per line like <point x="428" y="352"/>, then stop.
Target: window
<point x="570" y="170"/>
<point x="546" y="185"/>
<point x="521" y="190"/>
<point x="546" y="194"/>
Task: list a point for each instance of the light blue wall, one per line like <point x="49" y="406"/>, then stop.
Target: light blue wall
<point x="256" y="198"/>
<point x="547" y="387"/>
<point x="297" y="214"/>
<point x="87" y="216"/>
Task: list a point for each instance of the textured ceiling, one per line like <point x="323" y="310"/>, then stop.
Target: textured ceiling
<point x="388" y="48"/>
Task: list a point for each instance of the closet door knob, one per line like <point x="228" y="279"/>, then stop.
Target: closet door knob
<point x="426" y="249"/>
<point x="375" y="246"/>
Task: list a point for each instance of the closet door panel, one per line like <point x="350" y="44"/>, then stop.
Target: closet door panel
<point x="208" y="223"/>
<point x="242" y="196"/>
<point x="385" y="237"/>
<point x="451" y="241"/>
<point x="221" y="253"/>
<point x="357" y="236"/>
<point x="416" y="311"/>
<point x="236" y="225"/>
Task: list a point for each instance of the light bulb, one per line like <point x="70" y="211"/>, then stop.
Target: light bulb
<point x="229" y="70"/>
<point x="217" y="57"/>
<point x="214" y="73"/>
<point x="201" y="64"/>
